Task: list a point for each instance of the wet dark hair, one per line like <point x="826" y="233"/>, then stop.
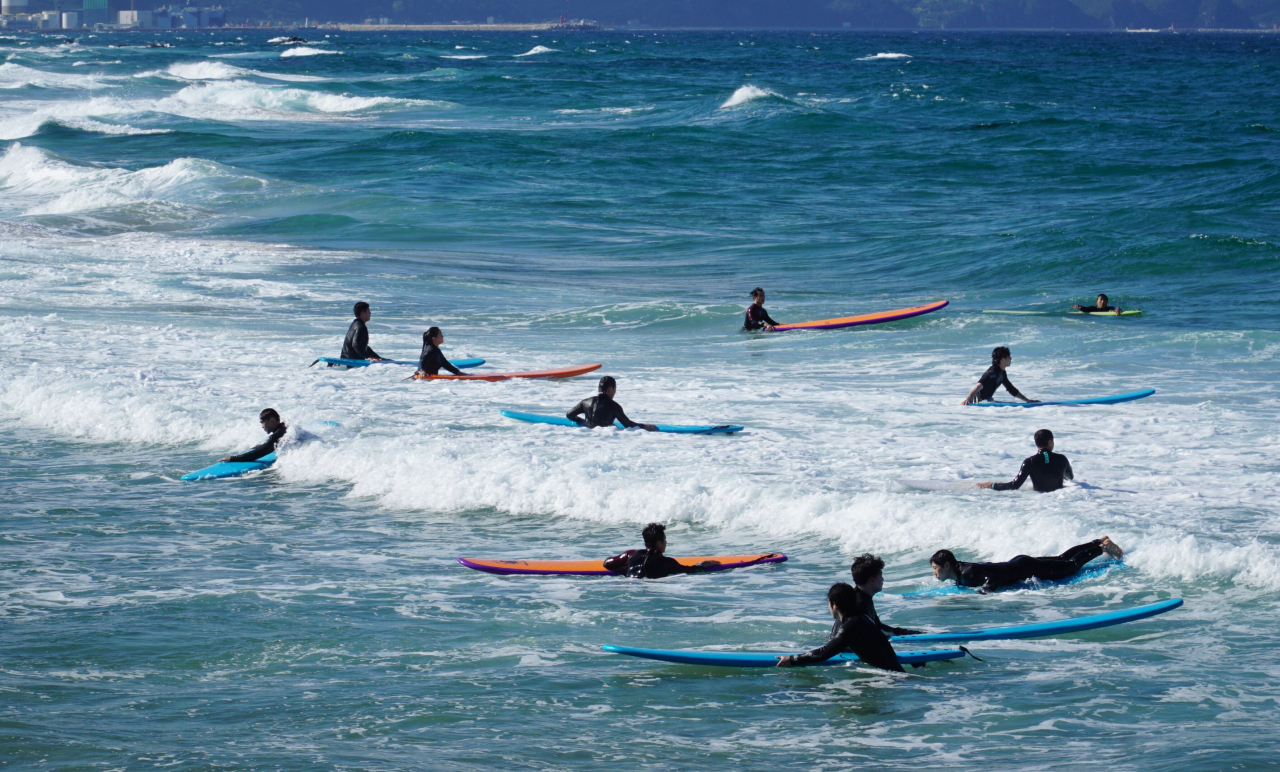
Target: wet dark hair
<point x="1043" y="438"/>
<point x="430" y="335"/>
<point x="269" y="412"/>
<point x="944" y="558"/>
<point x="654" y="533"/>
<point x="843" y="598"/>
<point x="757" y="292"/>
<point x="998" y="353"/>
<point x="1104" y="297"/>
<point x="606" y="382"/>
<point x="865" y="567"/>
<point x="361" y="307"/>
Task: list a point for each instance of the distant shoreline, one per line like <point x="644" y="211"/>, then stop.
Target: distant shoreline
<point x="543" y="27"/>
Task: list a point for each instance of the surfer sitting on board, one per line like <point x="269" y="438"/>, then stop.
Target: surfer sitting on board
<point x="275" y="429"/>
<point x="1048" y="471"/>
<point x="650" y="562"/>
<point x="853" y="631"/>
<point x="601" y="410"/>
<point x="1103" y="307"/>
<point x="994" y="378"/>
<point x="356" y="344"/>
<point x="868" y="579"/>
<point x="432" y="359"/>
<point x="757" y="317"/>
<point x="991" y="576"/>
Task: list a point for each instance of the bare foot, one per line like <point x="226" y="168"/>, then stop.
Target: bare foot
<point x="1112" y="548"/>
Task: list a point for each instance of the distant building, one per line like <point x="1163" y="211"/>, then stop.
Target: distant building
<point x="95" y="12"/>
<point x="137" y="19"/>
<point x="70" y="20"/>
<point x="13" y="7"/>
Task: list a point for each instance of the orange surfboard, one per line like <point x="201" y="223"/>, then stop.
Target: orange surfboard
<point x="596" y="567"/>
<point x="563" y="372"/>
<point x="856" y="321"/>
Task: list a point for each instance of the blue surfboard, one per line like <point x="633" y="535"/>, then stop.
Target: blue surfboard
<point x="1045" y="629"/>
<point x="1091" y="571"/>
<point x="230" y="469"/>
<point x="1131" y="396"/>
<point x="458" y="363"/>
<point x="763" y="659"/>
<point x="534" y="418"/>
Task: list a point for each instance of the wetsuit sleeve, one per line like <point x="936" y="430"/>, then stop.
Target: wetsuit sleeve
<point x="1067" y="474"/>
<point x="575" y="414"/>
<point x="445" y="364"/>
<point x="673" y="566"/>
<point x="836" y="644"/>
<point x="259" y="451"/>
<point x="621" y="417"/>
<point x="768" y="318"/>
<point x="1009" y="387"/>
<point x="1023" y="473"/>
<point x="618" y="563"/>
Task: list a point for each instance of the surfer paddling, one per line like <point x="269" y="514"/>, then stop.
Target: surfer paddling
<point x="275" y="429"/>
<point x="1048" y="471"/>
<point x="854" y="630"/>
<point x="991" y="576"/>
<point x="432" y="360"/>
<point x="994" y="378"/>
<point x="601" y="410"/>
<point x="757" y="317"/>
<point x="1103" y="306"/>
<point x="356" y="344"/>
<point x="651" y="562"/>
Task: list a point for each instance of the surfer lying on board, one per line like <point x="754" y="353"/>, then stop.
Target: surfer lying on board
<point x="1048" y="471"/>
<point x="1103" y="307"/>
<point x="432" y="359"/>
<point x="994" y="378"/>
<point x="650" y="562"/>
<point x="991" y="576"/>
<point x="601" y="410"/>
<point x="356" y="344"/>
<point x="757" y="317"/>
<point x="275" y="429"/>
<point x="853" y="631"/>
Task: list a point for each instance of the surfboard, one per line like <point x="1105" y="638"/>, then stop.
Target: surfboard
<point x="1116" y="399"/>
<point x="224" y="469"/>
<point x="596" y="567"/>
<point x="461" y="364"/>
<point x="1055" y="313"/>
<point x="1090" y="571"/>
<point x="1105" y="314"/>
<point x="939" y="486"/>
<point x="1045" y="629"/>
<point x="764" y="659"/>
<point x="856" y="321"/>
<point x="563" y="372"/>
<point x="534" y="418"/>
<point x="1018" y="313"/>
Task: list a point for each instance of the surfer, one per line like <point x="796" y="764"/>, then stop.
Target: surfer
<point x="1048" y="471"/>
<point x="868" y="579"/>
<point x="757" y="317"/>
<point x="601" y="410"/>
<point x="991" y="576"/>
<point x="432" y="359"/>
<point x="356" y="344"/>
<point x="994" y="378"/>
<point x="650" y="562"/>
<point x="1103" y="307"/>
<point x="854" y="630"/>
<point x="275" y="429"/>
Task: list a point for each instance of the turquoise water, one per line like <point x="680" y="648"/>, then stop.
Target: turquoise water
<point x="182" y="230"/>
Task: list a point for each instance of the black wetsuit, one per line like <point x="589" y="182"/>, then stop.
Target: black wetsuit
<point x="642" y="564"/>
<point x="265" y="448"/>
<point x="757" y="318"/>
<point x="1047" y="471"/>
<point x="433" y="360"/>
<point x="857" y="633"/>
<point x="599" y="411"/>
<point x="990" y="576"/>
<point x="1096" y="310"/>
<point x="866" y="606"/>
<point x="993" y="379"/>
<point x="356" y="344"/>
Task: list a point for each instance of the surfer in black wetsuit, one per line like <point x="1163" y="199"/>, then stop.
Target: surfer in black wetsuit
<point x="1048" y="471"/>
<point x="853" y="631"/>
<point x="601" y="410"/>
<point x="356" y="344"/>
<point x="991" y="576"/>
<point x="757" y="317"/>
<point x="650" y="562"/>
<point x="432" y="359"/>
<point x="1103" y="307"/>
<point x="868" y="579"/>
<point x="275" y="429"/>
<point x="994" y="378"/>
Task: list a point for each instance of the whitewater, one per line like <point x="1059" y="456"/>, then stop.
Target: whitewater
<point x="182" y="231"/>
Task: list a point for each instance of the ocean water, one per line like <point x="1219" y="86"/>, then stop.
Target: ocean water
<point x="184" y="229"/>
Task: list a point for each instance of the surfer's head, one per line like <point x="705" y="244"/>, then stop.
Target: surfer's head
<point x="757" y="295"/>
<point x="945" y="566"/>
<point x="868" y="573"/>
<point x="1103" y="300"/>
<point x="655" y="537"/>
<point x="362" y="311"/>
<point x="1044" y="440"/>
<point x="999" y="354"/>
<point x="608" y="387"/>
<point x="842" y="600"/>
<point x="269" y="419"/>
<point x="433" y="335"/>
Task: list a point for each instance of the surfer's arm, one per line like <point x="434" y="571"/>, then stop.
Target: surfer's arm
<point x="821" y="654"/>
<point x="1067" y="474"/>
<point x="578" y="410"/>
<point x="621" y="418"/>
<point x="973" y="394"/>
<point x="258" y="451"/>
<point x="1023" y="473"/>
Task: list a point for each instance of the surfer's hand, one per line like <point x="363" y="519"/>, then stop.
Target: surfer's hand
<point x="227" y="458"/>
<point x="984" y="485"/>
<point x="1077" y="307"/>
<point x="709" y="564"/>
<point x="649" y="427"/>
<point x="1118" y="310"/>
<point x="786" y="662"/>
<point x="769" y="327"/>
<point x="1029" y="400"/>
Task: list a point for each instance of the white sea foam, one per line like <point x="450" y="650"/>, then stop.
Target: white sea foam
<point x="214" y="70"/>
<point x="538" y="50"/>
<point x="101" y="115"/>
<point x="246" y="100"/>
<point x="883" y="57"/>
<point x="464" y="56"/>
<point x="746" y="94"/>
<point x="17" y="76"/>
<point x="304" y="51"/>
